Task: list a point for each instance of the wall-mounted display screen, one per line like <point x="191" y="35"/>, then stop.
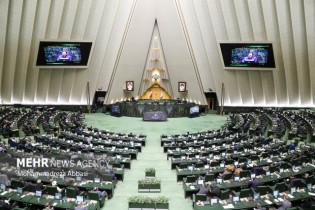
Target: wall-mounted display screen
<point x="247" y="55"/>
<point x="194" y="110"/>
<point x="63" y="54"/>
<point x="115" y="109"/>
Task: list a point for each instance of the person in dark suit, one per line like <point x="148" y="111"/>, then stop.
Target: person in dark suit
<point x="290" y="181"/>
<point x="285" y="204"/>
<point x="258" y="170"/>
<point x="215" y="191"/>
<point x="203" y="189"/>
<point x="76" y="188"/>
<point x="101" y="194"/>
<point x="39" y="185"/>
<point x="64" y="56"/>
<point x="112" y="174"/>
<point x="292" y="146"/>
<point x="254" y="183"/>
<point x="5" y="205"/>
<point x="258" y="207"/>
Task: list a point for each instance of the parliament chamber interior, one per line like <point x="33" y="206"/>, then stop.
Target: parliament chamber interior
<point x="157" y="105"/>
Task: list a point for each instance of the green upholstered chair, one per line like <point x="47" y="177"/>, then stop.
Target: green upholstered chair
<point x="244" y="173"/>
<point x="71" y="192"/>
<point x="50" y="190"/>
<point x="242" y="160"/>
<point x="183" y="165"/>
<point x="30" y="187"/>
<point x="281" y="187"/>
<point x="93" y="195"/>
<point x="229" y="162"/>
<point x="191" y="179"/>
<point x="199" y="197"/>
<point x="228" y="176"/>
<point x="310" y="179"/>
<point x="199" y="165"/>
<point x="125" y="155"/>
<point x="214" y="163"/>
<point x="209" y="178"/>
<point x="273" y="169"/>
<point x="254" y="157"/>
<point x="263" y="190"/>
<point x="245" y="193"/>
<point x="16" y="183"/>
<point x="106" y="178"/>
<point x="225" y="194"/>
<point x="116" y="165"/>
<point x="285" y="166"/>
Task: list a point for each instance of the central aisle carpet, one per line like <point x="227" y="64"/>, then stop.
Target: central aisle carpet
<point x="152" y="155"/>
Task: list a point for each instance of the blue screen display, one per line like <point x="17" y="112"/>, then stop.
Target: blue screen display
<point x="115" y="109"/>
<point x="248" y="55"/>
<point x="194" y="109"/>
<point x="60" y="53"/>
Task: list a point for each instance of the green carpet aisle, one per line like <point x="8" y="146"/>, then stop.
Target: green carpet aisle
<point x="152" y="155"/>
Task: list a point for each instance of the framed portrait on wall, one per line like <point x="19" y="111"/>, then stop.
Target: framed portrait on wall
<point x="181" y="86"/>
<point x="129" y="85"/>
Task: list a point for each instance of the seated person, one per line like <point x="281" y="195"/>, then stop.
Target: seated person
<point x="236" y="147"/>
<point x="250" y="58"/>
<point x="80" y="206"/>
<point x="76" y="188"/>
<point x="2" y="149"/>
<point x="54" y="184"/>
<point x="5" y="204"/>
<point x="229" y="168"/>
<point x="112" y="174"/>
<point x="289" y="182"/>
<point x="215" y="191"/>
<point x="258" y="207"/>
<point x="64" y="56"/>
<point x="203" y="189"/>
<point x="254" y="183"/>
<point x="221" y="175"/>
<point x="47" y="207"/>
<point x="39" y="185"/>
<point x="292" y="146"/>
<point x="258" y="170"/>
<point x="22" y="141"/>
<point x="101" y="194"/>
<point x="238" y="171"/>
<point x="285" y="204"/>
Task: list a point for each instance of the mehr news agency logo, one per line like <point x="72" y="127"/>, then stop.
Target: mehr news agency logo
<point x="28" y="164"/>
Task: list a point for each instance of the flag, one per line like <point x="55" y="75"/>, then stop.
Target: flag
<point x="151" y="94"/>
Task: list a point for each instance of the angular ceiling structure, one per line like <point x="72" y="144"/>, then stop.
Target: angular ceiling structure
<point x="155" y="70"/>
<point x="189" y="30"/>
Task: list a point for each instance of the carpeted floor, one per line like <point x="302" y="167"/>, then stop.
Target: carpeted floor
<point x="152" y="154"/>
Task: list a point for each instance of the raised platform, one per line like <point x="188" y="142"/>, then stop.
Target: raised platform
<point x="172" y="108"/>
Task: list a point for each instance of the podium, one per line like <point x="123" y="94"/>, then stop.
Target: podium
<point x="154" y="116"/>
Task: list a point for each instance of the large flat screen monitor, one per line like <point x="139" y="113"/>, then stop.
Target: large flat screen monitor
<point x="194" y="110"/>
<point x="246" y="56"/>
<point x="63" y="54"/>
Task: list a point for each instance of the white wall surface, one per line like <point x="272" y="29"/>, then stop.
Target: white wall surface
<point x="190" y="29"/>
